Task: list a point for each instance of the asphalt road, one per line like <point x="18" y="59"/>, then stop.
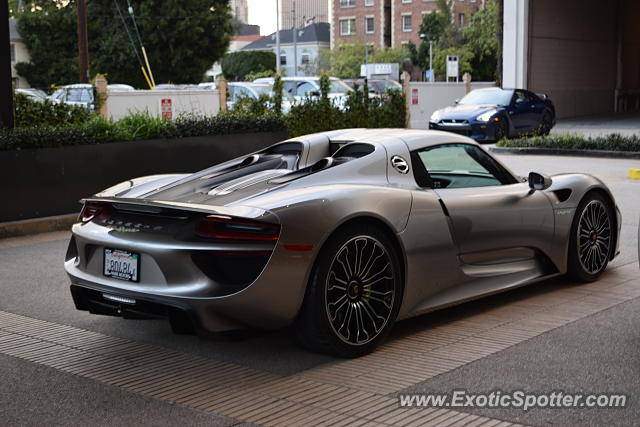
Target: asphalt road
<point x="595" y="354"/>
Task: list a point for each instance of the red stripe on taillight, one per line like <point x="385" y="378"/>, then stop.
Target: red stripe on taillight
<point x="299" y="247"/>
<point x="91" y="210"/>
<point x="228" y="228"/>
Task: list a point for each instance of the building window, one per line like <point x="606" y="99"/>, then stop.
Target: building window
<point x="283" y="59"/>
<point x="369" y="25"/>
<point x="407" y="25"/>
<point x="347" y="27"/>
<point x="406" y="1"/>
<point x="13" y="52"/>
<point x="461" y="19"/>
<point x="368" y="2"/>
<point x="306" y="59"/>
<point x="347" y="3"/>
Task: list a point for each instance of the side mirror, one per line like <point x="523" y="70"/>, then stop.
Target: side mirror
<point x="457" y="101"/>
<point x="314" y="93"/>
<point x="538" y="181"/>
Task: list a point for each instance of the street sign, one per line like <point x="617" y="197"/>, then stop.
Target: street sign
<point x="452" y="67"/>
<point x="166" y="111"/>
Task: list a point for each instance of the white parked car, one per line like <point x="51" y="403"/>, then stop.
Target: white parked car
<point x="80" y="94"/>
<point x="33" y="94"/>
<point x="301" y="88"/>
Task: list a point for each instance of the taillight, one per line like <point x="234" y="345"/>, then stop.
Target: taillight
<point x="228" y="228"/>
<point x="91" y="210"/>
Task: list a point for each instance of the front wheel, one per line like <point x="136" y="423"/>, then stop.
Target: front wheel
<point x="501" y="130"/>
<point x="591" y="240"/>
<point x="354" y="294"/>
<point x="545" y="125"/>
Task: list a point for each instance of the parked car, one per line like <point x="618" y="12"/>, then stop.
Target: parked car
<point x="33" y="94"/>
<point x="119" y="87"/>
<point x="494" y="113"/>
<point x="340" y="233"/>
<point x="80" y="94"/>
<point x="298" y="89"/>
<point x="377" y="87"/>
<point x="239" y="90"/>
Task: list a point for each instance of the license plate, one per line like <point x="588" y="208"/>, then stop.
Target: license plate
<point x="121" y="265"/>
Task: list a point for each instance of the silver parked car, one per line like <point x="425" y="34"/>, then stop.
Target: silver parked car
<point x="298" y="89"/>
<point x="80" y="94"/>
<point x="341" y="233"/>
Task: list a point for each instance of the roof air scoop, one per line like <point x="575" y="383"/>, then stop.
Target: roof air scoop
<point x="250" y="160"/>
<point x="321" y="164"/>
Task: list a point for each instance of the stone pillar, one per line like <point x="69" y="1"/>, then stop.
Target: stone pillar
<point x="102" y="93"/>
<point x="222" y="88"/>
<point x="466" y="78"/>
<point x="405" y="77"/>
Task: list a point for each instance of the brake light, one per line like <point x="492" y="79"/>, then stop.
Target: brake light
<point x="228" y="228"/>
<point x="90" y="211"/>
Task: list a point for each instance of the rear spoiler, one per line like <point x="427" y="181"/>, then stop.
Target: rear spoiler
<point x="147" y="206"/>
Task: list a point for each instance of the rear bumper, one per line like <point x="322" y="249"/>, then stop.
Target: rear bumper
<point x="172" y="286"/>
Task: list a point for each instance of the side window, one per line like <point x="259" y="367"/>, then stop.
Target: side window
<point x="458" y="166"/>
<point x="305" y="89"/>
<point x="519" y="97"/>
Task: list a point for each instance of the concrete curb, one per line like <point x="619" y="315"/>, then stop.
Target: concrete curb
<point x="567" y="152"/>
<point x="37" y="225"/>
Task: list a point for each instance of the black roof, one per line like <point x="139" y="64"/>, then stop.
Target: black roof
<point x="313" y="33"/>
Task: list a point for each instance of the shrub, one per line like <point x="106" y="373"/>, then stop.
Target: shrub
<point x="47" y="113"/>
<point x="236" y="65"/>
<point x="613" y="142"/>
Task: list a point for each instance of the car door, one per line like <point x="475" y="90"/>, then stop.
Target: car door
<point x="538" y="107"/>
<point x="492" y="215"/>
<point x="521" y="112"/>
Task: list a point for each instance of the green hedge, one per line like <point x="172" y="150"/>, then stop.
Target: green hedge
<point x="137" y="127"/>
<point x="63" y="125"/>
<point x="613" y="142"/>
<point x="47" y="113"/>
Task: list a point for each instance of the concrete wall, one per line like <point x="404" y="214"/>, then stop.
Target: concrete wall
<point x="573" y="54"/>
<point x="198" y="102"/>
<point x="434" y="96"/>
<point x="50" y="181"/>
<point x="22" y="55"/>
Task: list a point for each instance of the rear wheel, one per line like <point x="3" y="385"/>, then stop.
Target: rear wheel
<point x="591" y="240"/>
<point x="354" y="293"/>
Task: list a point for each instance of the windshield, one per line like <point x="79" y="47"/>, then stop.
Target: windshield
<point x="263" y="89"/>
<point x="79" y="95"/>
<point x="336" y="86"/>
<point x="491" y="96"/>
<point x="386" y="85"/>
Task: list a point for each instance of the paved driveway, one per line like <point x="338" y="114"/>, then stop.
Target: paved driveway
<point x="64" y="367"/>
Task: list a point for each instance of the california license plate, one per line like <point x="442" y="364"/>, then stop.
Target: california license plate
<point x="121" y="265"/>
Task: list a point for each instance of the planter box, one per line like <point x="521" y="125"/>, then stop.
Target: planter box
<point x="50" y="181"/>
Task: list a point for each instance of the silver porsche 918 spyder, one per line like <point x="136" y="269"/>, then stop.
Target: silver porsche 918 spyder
<point x="340" y="233"/>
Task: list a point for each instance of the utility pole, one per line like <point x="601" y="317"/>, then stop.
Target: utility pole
<point x="278" y="36"/>
<point x="83" y="41"/>
<point x="432" y="78"/>
<point x="295" y="41"/>
<point x="6" y="84"/>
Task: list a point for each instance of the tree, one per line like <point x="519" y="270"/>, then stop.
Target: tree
<point x="182" y="39"/>
<point x="345" y="59"/>
<point x="236" y="65"/>
<point x="50" y="36"/>
<point x="481" y="37"/>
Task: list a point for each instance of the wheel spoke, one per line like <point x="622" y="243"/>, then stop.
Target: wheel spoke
<point x="357" y="313"/>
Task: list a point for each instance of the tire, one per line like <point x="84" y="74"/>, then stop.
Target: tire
<point x="341" y="287"/>
<point x="501" y="131"/>
<point x="592" y="238"/>
<point x="545" y="124"/>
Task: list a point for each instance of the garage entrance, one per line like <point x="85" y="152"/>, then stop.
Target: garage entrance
<point x="584" y="53"/>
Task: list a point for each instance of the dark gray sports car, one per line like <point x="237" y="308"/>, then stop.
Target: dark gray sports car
<point x="341" y="233"/>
